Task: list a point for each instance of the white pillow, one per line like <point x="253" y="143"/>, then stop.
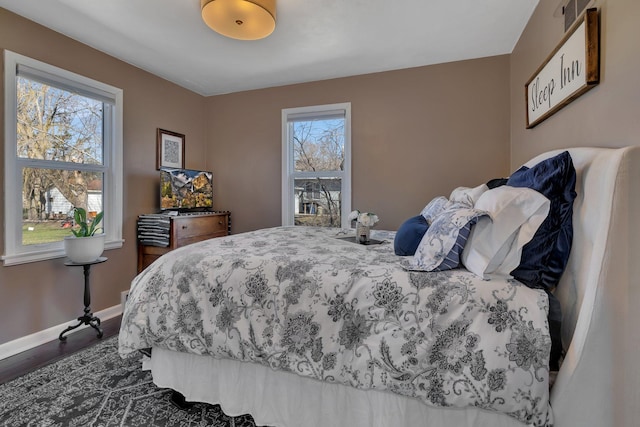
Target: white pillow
<point x="495" y="244"/>
<point x="468" y="195"/>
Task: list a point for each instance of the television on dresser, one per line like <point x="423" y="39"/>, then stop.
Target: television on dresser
<point x="186" y="190"/>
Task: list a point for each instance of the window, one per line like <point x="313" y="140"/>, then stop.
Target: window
<point x="63" y="148"/>
<point x="316" y="165"/>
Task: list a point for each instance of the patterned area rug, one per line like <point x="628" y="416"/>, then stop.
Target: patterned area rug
<point x="95" y="387"/>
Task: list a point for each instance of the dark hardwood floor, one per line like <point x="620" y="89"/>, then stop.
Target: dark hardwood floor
<point x="22" y="363"/>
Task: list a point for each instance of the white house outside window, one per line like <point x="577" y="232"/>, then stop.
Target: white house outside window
<point x="316" y="159"/>
<point x="63" y="149"/>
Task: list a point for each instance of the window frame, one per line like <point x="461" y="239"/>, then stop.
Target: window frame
<point x="288" y="169"/>
<point x="14" y="251"/>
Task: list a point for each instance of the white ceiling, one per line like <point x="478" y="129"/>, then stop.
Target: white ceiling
<point x="313" y="39"/>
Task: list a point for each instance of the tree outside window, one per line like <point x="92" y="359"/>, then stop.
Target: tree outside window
<point x="63" y="149"/>
<point x="57" y="129"/>
<point x="316" y="173"/>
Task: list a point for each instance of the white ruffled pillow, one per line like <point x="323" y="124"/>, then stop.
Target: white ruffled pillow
<point x="468" y="196"/>
<point x="494" y="246"/>
<point x="460" y="196"/>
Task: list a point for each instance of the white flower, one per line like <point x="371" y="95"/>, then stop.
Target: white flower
<point x="367" y="219"/>
<point x="353" y="215"/>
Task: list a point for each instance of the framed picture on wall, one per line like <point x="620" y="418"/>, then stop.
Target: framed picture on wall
<point x="572" y="69"/>
<point x="170" y="150"/>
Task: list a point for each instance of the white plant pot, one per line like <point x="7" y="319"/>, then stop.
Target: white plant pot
<point x="82" y="250"/>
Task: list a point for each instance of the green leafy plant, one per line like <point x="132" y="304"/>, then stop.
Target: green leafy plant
<point x="87" y="228"/>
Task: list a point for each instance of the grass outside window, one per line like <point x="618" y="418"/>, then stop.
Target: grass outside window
<point x="35" y="233"/>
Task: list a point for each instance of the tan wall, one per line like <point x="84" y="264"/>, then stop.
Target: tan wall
<point x="36" y="296"/>
<point x="607" y="115"/>
<point x="416" y="133"/>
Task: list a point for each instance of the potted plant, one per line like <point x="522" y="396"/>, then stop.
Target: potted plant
<point x="87" y="244"/>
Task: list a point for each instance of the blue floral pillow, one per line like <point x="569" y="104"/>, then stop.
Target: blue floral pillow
<point x="442" y="244"/>
<point x="409" y="235"/>
<point x="434" y="207"/>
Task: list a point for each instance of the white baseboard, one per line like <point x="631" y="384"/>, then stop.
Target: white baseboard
<point x="30" y="341"/>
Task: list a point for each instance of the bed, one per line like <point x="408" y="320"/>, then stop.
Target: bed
<point x="303" y="327"/>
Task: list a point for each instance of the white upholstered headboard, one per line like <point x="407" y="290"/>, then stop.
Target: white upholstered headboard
<point x="598" y="383"/>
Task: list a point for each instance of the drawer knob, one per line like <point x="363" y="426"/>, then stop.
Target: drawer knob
<point x="220" y="222"/>
<point x="184" y="227"/>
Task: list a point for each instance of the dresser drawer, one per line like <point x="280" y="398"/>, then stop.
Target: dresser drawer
<point x="195" y="228"/>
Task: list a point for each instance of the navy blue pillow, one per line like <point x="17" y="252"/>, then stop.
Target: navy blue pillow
<point x="409" y="235"/>
<point x="545" y="257"/>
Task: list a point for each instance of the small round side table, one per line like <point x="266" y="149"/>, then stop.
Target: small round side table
<point x="88" y="318"/>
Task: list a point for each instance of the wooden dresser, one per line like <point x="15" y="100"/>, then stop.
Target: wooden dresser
<point x="184" y="230"/>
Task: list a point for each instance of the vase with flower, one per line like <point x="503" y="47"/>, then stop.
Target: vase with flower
<point x="364" y="222"/>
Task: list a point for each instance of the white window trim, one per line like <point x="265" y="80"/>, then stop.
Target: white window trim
<point x="287" y="160"/>
<point x="14" y="251"/>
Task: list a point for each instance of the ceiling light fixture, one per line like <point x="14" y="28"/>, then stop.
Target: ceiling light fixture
<point x="240" y="19"/>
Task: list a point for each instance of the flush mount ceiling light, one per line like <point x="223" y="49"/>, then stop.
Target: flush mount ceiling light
<point x="240" y="19"/>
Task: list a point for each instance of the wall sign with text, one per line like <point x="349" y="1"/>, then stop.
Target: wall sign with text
<point x="572" y="69"/>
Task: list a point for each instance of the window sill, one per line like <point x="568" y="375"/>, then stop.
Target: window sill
<point x="43" y="255"/>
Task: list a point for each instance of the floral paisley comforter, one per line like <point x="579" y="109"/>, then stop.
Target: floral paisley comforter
<point x="301" y="300"/>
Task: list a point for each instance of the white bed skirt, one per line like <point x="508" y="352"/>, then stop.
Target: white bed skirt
<point x="287" y="400"/>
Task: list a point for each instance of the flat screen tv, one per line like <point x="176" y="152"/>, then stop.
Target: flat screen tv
<point x="186" y="190"/>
